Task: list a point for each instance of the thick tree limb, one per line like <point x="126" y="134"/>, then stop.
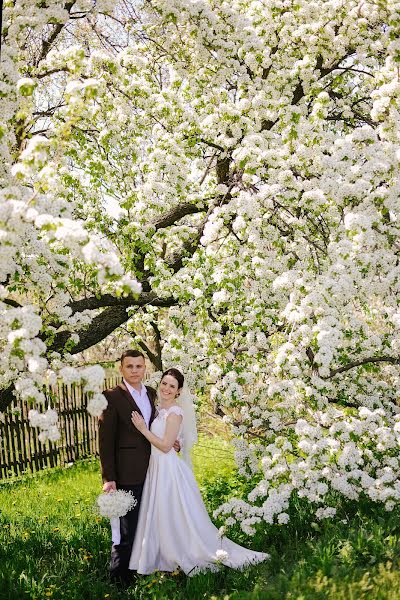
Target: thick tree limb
<point x="105" y="300"/>
<point x="177" y="213"/>
<point x="213" y="145"/>
<point x="156" y="360"/>
<point x="175" y="262"/>
<point x="365" y="361"/>
<point x="223" y="165"/>
<point x="12" y="303"/>
<point x="157" y="341"/>
<point x="101" y="326"/>
<point x="49" y="41"/>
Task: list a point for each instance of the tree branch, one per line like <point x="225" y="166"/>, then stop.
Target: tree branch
<point x="101" y="326"/>
<point x="213" y="145"/>
<point x="175" y="214"/>
<point x="12" y="303"/>
<point x="299" y="93"/>
<point x="48" y="42"/>
<point x="153" y="357"/>
<point x="144" y="298"/>
<point x="50" y="72"/>
<point x="358" y="363"/>
<point x="157" y="341"/>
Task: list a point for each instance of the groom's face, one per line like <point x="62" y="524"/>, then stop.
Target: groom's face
<point x="133" y="369"/>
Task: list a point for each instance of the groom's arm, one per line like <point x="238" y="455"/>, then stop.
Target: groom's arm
<point x="107" y="436"/>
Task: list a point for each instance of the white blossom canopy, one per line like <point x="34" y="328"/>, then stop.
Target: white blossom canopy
<point x="251" y="148"/>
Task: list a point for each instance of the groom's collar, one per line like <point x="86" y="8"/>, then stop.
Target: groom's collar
<point x="133" y="391"/>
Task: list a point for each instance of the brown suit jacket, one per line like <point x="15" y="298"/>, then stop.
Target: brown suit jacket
<point x="124" y="451"/>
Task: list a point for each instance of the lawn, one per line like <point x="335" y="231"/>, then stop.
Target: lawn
<point x="52" y="545"/>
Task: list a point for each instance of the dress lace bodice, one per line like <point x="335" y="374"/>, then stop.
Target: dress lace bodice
<point x="163" y="413"/>
<point x="160" y="422"/>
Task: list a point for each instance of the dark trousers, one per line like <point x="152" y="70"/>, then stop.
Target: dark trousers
<point x="121" y="553"/>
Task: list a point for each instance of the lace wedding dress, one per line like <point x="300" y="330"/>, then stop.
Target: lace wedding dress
<point x="174" y="529"/>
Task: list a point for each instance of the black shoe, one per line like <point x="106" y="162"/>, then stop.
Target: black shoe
<point x="122" y="581"/>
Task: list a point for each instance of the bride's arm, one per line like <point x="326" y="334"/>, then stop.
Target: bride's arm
<point x="171" y="431"/>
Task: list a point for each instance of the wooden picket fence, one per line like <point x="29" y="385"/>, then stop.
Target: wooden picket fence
<point x="21" y="451"/>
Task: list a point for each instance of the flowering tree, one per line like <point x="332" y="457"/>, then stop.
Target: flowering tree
<point x="252" y="149"/>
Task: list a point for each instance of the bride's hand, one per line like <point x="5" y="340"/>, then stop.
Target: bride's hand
<point x="138" y="421"/>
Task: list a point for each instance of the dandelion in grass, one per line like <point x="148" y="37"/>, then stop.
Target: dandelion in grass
<point x="115" y="504"/>
<point x="221" y="555"/>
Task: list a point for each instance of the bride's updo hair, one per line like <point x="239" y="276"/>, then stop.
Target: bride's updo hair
<point x="176" y="374"/>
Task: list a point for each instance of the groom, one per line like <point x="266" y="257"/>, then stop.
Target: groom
<point x="125" y="452"/>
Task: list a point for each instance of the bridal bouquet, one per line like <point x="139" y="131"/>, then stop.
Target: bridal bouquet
<point x="115" y="504"/>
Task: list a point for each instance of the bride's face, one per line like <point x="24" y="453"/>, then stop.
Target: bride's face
<point x="168" y="388"/>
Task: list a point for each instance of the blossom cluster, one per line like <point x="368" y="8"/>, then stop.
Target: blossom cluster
<point x="332" y="455"/>
<point x="47" y="423"/>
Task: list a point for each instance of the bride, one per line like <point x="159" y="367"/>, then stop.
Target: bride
<point x="174" y="529"/>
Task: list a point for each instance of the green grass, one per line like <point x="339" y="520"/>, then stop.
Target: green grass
<point x="212" y="457"/>
<point x="52" y="545"/>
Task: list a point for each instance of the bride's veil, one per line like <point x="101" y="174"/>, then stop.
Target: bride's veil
<point x="189" y="429"/>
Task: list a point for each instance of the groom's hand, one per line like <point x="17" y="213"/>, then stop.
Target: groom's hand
<point x="109" y="486"/>
<point x="177" y="446"/>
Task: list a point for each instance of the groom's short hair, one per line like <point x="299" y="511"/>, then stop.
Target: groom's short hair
<point x="132" y="354"/>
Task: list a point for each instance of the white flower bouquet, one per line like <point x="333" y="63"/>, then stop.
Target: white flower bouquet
<point x="115" y="504"/>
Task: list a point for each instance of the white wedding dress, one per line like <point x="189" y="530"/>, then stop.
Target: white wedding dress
<point x="174" y="529"/>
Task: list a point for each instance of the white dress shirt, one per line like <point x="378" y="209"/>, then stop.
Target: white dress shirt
<point x="142" y="400"/>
